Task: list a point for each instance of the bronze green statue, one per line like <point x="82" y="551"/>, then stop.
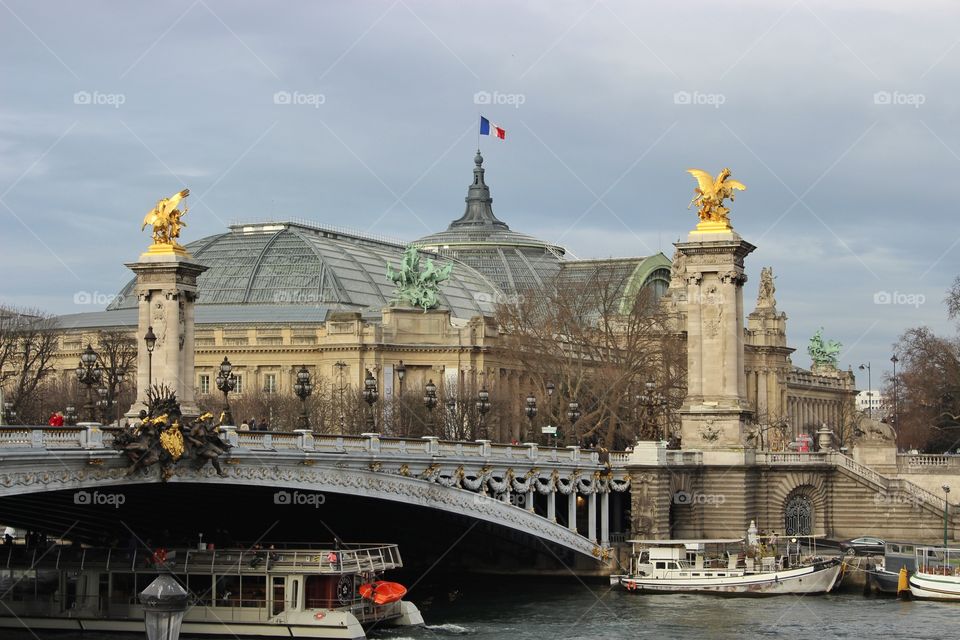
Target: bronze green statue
<point x="418" y="286"/>
<point x="823" y="353"/>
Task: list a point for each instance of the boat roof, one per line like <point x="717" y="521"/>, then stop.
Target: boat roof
<point x="688" y="541"/>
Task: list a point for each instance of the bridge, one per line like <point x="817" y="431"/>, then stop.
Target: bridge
<point x="519" y="487"/>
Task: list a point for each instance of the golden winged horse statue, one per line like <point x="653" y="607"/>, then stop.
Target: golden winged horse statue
<point x="166" y="219"/>
<point x="710" y="194"/>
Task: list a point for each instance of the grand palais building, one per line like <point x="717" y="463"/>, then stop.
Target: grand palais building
<point x="277" y="295"/>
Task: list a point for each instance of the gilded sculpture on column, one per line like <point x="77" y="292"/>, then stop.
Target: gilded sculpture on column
<point x="167" y="220"/>
<point x="709" y="196"/>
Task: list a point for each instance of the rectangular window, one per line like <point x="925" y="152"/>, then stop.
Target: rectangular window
<point x="239" y="387"/>
<point x="203" y="385"/>
<point x="270" y="382"/>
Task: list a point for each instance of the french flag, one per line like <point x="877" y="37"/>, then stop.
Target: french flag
<point x="488" y="128"/>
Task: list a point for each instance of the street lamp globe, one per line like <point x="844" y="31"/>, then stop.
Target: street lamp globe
<point x="150" y="339"/>
<point x="401" y="371"/>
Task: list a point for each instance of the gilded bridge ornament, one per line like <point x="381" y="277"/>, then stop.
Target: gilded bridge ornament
<point x="167" y="221"/>
<point x="415" y="286"/>
<point x="709" y="196"/>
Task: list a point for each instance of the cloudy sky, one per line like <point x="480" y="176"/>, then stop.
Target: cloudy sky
<point x="839" y="116"/>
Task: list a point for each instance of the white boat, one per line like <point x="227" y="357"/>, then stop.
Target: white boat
<point x="287" y="592"/>
<point x="683" y="566"/>
<point x="937" y="576"/>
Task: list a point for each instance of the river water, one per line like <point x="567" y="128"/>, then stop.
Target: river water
<point x="569" y="610"/>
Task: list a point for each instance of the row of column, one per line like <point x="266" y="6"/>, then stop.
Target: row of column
<point x="809" y="413"/>
<point x="591" y="498"/>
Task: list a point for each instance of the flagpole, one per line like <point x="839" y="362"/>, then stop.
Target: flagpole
<point x="478" y="131"/>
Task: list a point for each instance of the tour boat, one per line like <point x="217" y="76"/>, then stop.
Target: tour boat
<point x="885" y="576"/>
<point x="937" y="576"/>
<point x="683" y="566"/>
<point x="276" y="592"/>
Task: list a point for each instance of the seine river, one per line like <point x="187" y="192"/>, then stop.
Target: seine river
<point x="521" y="610"/>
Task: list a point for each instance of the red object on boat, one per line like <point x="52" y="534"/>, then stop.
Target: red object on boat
<point x="381" y="592"/>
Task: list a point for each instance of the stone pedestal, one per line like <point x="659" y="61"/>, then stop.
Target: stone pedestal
<point x="166" y="290"/>
<point x="716" y="411"/>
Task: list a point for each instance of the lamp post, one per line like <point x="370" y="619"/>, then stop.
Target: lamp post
<point x="946" y="508"/>
<point x="341" y="365"/>
<point x="455" y="424"/>
<point x="370" y="395"/>
<point x="150" y="339"/>
<point x="573" y="414"/>
<point x="430" y="401"/>
<point x="303" y="388"/>
<point x="531" y="411"/>
<point x="104" y="404"/>
<point x="401" y="372"/>
<point x="164" y="603"/>
<point x="9" y="415"/>
<point x="226" y="382"/>
<point x="483" y="406"/>
<point x="896" y="403"/>
<point x="71" y="415"/>
<point x="866" y="367"/>
<point x="651" y="401"/>
<point x="88" y="374"/>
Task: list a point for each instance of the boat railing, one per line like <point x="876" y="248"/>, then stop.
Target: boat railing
<point x="348" y="559"/>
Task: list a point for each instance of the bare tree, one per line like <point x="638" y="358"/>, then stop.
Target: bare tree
<point x="599" y="349"/>
<point x="117" y="361"/>
<point x="28" y="343"/>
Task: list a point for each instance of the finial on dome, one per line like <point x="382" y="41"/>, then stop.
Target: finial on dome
<point x="478" y="159"/>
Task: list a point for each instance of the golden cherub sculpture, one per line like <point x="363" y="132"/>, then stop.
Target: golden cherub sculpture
<point x="166" y="219"/>
<point x="709" y="196"/>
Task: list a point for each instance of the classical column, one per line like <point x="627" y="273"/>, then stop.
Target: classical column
<point x="552" y="505"/>
<point x="572" y="509"/>
<point x="592" y="516"/>
<point x="605" y="518"/>
<point x="530" y="496"/>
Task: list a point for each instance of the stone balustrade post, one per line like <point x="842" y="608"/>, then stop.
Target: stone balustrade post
<point x="91" y="437"/>
<point x="305" y="441"/>
<point x="36" y="438"/>
<point x="268" y="441"/>
<point x="552" y="505"/>
<point x="484" y="448"/>
<point x="373" y="442"/>
<point x="572" y="509"/>
<point x="532" y="450"/>
<point x="574" y="453"/>
<point x="229" y="434"/>
<point x="433" y="445"/>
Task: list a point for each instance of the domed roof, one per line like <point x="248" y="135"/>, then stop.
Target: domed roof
<point x="295" y="264"/>
<point x="514" y="261"/>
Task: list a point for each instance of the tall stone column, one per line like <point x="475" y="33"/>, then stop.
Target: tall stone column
<point x="716" y="410"/>
<point x="167" y="290"/>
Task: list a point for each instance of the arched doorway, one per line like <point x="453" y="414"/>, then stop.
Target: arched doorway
<point x="798" y="515"/>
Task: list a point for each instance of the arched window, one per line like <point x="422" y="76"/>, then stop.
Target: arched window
<point x="798" y="515"/>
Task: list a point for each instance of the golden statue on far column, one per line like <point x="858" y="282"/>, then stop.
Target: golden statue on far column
<point x="709" y="196"/>
<point x="167" y="221"/>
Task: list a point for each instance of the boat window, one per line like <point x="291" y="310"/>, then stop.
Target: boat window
<point x="228" y="591"/>
<point x="253" y="591"/>
<point x="122" y="589"/>
<point x="696" y="575"/>
<point x="278" y="594"/>
<point x="294" y="596"/>
<point x="661" y="565"/>
<point x="201" y="587"/>
<point x="319" y="591"/>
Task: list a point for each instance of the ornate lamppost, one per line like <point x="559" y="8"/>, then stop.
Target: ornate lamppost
<point x="651" y="402"/>
<point x="401" y="372"/>
<point x="531" y="411"/>
<point x="89" y="374"/>
<point x="455" y="423"/>
<point x="896" y="403"/>
<point x="946" y="508"/>
<point x="573" y="414"/>
<point x="483" y="406"/>
<point x="869" y="388"/>
<point x="430" y="401"/>
<point x="9" y="415"/>
<point x="341" y="365"/>
<point x="70" y="415"/>
<point x="150" y="340"/>
<point x="303" y="388"/>
<point x="104" y="404"/>
<point x="226" y="382"/>
<point x="370" y="395"/>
